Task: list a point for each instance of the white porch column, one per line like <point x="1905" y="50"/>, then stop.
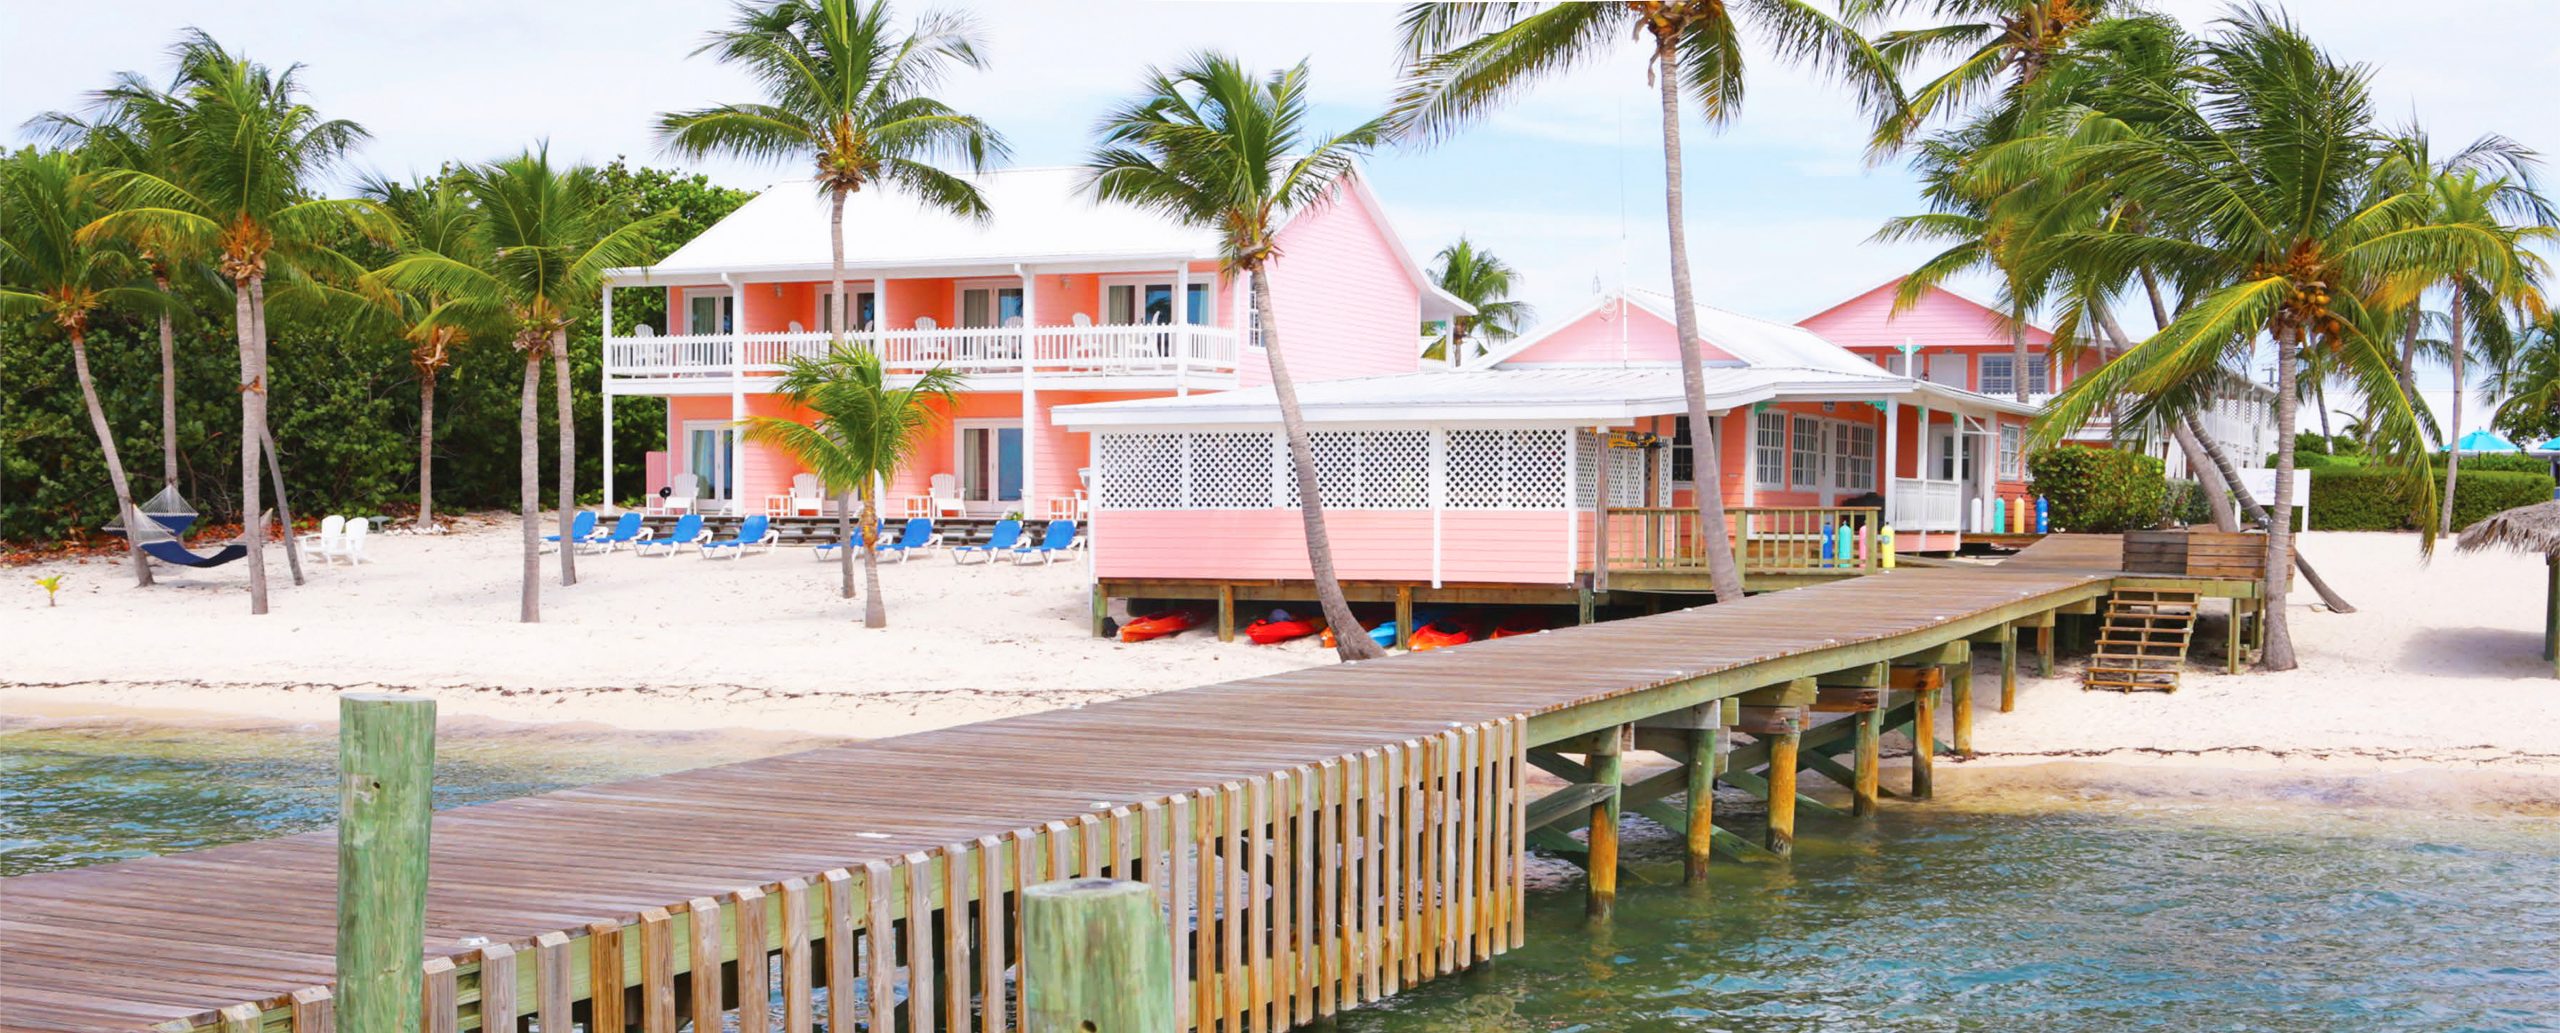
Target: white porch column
<point x="879" y="304"/>
<point x="737" y="394"/>
<point x="1182" y="337"/>
<point x="1031" y="420"/>
<point x="1892" y="455"/>
<point x="604" y="393"/>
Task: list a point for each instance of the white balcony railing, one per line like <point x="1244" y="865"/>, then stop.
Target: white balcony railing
<point x="1918" y="505"/>
<point x="1091" y="350"/>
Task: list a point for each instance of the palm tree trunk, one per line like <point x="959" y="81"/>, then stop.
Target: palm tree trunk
<point x="2329" y="597"/>
<point x="568" y="419"/>
<point x="2320" y="395"/>
<point x="426" y="448"/>
<point x="1704" y="451"/>
<point x="2209" y="479"/>
<point x="2018" y="351"/>
<point x="1348" y="642"/>
<point x="844" y="533"/>
<point x="529" y="477"/>
<point x="2408" y="383"/>
<point x="253" y="422"/>
<point x="2453" y="456"/>
<point x="267" y="445"/>
<point x="875" y="613"/>
<point x="837" y="314"/>
<point x="168" y="387"/>
<point x="125" y="512"/>
<point x="2278" y="655"/>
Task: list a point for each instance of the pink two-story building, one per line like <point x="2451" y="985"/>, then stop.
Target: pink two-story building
<point x="1053" y="300"/>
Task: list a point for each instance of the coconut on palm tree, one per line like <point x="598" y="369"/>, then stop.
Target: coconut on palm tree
<point x="1485" y="282"/>
<point x="48" y="269"/>
<point x="859" y="432"/>
<point x="237" y="189"/>
<point x="847" y="92"/>
<point x="545" y="237"/>
<point x="1465" y="59"/>
<point x="1212" y="144"/>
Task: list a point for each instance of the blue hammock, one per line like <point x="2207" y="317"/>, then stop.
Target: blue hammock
<point x="170" y="551"/>
<point x="175" y="516"/>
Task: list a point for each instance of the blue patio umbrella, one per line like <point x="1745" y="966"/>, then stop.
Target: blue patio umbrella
<point x="2485" y="441"/>
<point x="2549" y="445"/>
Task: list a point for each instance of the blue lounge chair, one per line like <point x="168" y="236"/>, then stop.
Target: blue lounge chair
<point x="1054" y="542"/>
<point x="1007" y="538"/>
<point x="824" y="549"/>
<point x="917" y="536"/>
<point x="581" y="528"/>
<point x="626" y="530"/>
<point x="753" y="533"/>
<point x="688" y="531"/>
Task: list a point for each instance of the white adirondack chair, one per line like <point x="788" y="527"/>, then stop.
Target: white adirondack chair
<point x="351" y="545"/>
<point x="945" y="493"/>
<point x="806" y="497"/>
<point x="684" y="488"/>
<point x="333" y="534"/>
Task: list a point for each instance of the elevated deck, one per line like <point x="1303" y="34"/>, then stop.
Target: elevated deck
<point x="1383" y="798"/>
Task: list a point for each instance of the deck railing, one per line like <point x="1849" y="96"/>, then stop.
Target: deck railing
<point x="1094" y="350"/>
<point x="1918" y="505"/>
<point x="1766" y="539"/>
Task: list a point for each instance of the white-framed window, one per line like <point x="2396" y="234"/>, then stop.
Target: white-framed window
<point x="989" y="305"/>
<point x="866" y="310"/>
<point x="709" y="313"/>
<point x="2012" y="454"/>
<point x="1853" y="460"/>
<point x="1949" y="368"/>
<point x="1684" y="456"/>
<point x="1252" y="311"/>
<point x="1996" y="378"/>
<point x="1897" y="363"/>
<point x="1149" y="300"/>
<point x="1804" y="457"/>
<point x="1769" y="449"/>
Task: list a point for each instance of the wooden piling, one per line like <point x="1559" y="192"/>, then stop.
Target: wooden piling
<point x="1960" y="701"/>
<point x="2008" y="668"/>
<point x="1095" y="958"/>
<point x="1607" y="757"/>
<point x="1869" y="756"/>
<point x="1404" y="616"/>
<point x="1781" y="839"/>
<point x="2044" y="648"/>
<point x="1226" y="612"/>
<point x="1705" y="746"/>
<point x="386" y="775"/>
<point x="1924" y="742"/>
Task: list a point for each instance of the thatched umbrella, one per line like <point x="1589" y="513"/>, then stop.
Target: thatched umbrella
<point x="2530" y="529"/>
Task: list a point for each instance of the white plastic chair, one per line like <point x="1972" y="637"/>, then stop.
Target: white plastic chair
<point x="684" y="488"/>
<point x="332" y="537"/>
<point x="797" y="328"/>
<point x="351" y="545"/>
<point x="944" y="490"/>
<point x="806" y="500"/>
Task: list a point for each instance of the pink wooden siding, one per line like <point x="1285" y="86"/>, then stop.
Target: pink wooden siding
<point x="1605" y="336"/>
<point x="1943" y="323"/>
<point x="1498" y="546"/>
<point x="1346" y="306"/>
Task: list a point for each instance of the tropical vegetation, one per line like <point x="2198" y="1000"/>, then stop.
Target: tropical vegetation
<point x="1485" y="282"/>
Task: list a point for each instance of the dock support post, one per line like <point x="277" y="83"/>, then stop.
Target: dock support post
<point x="1586" y="605"/>
<point x="1924" y="741"/>
<point x="2008" y="668"/>
<point x="1960" y="700"/>
<point x="1781" y="838"/>
<point x="1101" y="609"/>
<point x="2044" y="647"/>
<point x="1226" y="612"/>
<point x="1094" y="957"/>
<point x="2231" y="641"/>
<point x="1606" y="770"/>
<point x="386" y="776"/>
<point x="1404" y="616"/>
<point x="1862" y="793"/>
<point x="1706" y="748"/>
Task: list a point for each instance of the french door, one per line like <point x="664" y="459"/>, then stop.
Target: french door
<point x="991" y="463"/>
<point x="709" y="448"/>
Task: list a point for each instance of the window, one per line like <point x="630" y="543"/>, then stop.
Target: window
<point x="1130" y="304"/>
<point x="708" y="314"/>
<point x="1684" y="459"/>
<point x="1996" y="378"/>
<point x="1948" y="369"/>
<point x="1853" y="458"/>
<point x="1252" y="311"/>
<point x="866" y="311"/>
<point x="1805" y="460"/>
<point x="1897" y="363"/>
<point x="990" y="306"/>
<point x="2011" y="469"/>
<point x="1769" y="449"/>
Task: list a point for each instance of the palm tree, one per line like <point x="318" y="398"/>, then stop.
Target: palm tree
<point x="1980" y="235"/>
<point x="860" y="432"/>
<point x="237" y="189"/>
<point x="545" y="237"/>
<point x="2465" y="197"/>
<point x="47" y="268"/>
<point x="1215" y="145"/>
<point x="2008" y="45"/>
<point x="1485" y="282"/>
<point x="1464" y="59"/>
<point x="2529" y="383"/>
<point x="137" y="126"/>
<point x="2269" y="181"/>
<point x="2410" y="164"/>
<point x="433" y="216"/>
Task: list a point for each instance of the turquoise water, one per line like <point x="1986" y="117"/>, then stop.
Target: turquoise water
<point x="2055" y="910"/>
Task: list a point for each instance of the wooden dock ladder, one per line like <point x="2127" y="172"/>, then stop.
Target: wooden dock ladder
<point x="2144" y="642"/>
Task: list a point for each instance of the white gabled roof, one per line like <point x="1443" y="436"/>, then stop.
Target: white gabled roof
<point x="1756" y="341"/>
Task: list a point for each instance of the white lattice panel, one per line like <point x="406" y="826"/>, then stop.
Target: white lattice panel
<point x="1140" y="471"/>
<point x="1231" y="470"/>
<point x="1505" y="469"/>
<point x="1396" y="470"/>
<point x="1626" y="472"/>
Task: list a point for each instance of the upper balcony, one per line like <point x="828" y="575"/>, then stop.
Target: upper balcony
<point x="1142" y="356"/>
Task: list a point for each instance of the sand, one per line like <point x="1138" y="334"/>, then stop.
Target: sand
<point x="2439" y="668"/>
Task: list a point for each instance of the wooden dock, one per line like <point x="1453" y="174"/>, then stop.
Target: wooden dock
<point x="1318" y="839"/>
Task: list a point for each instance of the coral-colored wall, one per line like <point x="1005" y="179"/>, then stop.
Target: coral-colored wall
<point x="1345" y="305"/>
<point x="1518" y="547"/>
<point x="1597" y="338"/>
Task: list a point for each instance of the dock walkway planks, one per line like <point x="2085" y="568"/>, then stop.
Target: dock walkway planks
<point x="170" y="940"/>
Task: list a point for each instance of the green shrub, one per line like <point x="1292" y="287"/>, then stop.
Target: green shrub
<point x="2099" y="490"/>
<point x="2344" y="499"/>
<point x="2509" y="463"/>
<point x="2186" y="503"/>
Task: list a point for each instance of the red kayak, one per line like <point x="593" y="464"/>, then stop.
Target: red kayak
<point x="1520" y="622"/>
<point x="1159" y="625"/>
<point x="1440" y="633"/>
<point x="1282" y="626"/>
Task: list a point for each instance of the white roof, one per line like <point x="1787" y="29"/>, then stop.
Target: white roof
<point x="1755" y="341"/>
<point x="1573" y="396"/>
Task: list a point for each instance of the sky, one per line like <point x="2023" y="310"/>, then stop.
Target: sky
<point x="1565" y="183"/>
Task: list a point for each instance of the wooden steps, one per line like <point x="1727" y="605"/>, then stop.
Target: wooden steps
<point x="2143" y="644"/>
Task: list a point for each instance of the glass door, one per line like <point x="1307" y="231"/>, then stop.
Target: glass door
<point x="991" y="464"/>
<point x="709" y="449"/>
<point x="708" y="314"/>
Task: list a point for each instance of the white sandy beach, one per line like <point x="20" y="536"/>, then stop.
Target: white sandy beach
<point x="2440" y="665"/>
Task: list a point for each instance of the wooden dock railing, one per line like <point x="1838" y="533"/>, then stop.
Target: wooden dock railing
<point x="1766" y="539"/>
